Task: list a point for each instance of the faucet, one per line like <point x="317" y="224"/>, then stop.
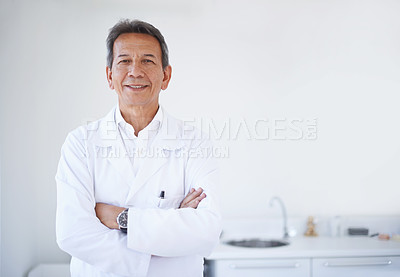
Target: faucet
<point x="271" y="203"/>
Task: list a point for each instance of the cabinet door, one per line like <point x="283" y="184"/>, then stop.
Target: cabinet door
<point x="262" y="268"/>
<point x="357" y="267"/>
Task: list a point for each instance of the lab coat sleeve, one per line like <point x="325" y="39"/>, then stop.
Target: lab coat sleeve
<point x="187" y="231"/>
<point x="79" y="231"/>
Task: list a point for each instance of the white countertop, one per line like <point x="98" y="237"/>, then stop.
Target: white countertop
<point x="313" y="247"/>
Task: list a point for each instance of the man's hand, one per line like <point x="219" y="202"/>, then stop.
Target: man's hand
<point x="193" y="198"/>
<point x="108" y="214"/>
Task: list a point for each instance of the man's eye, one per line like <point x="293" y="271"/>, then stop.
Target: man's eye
<point x="123" y="61"/>
<point x="148" y="61"/>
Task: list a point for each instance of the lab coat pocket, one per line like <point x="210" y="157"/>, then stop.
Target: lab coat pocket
<point x="170" y="202"/>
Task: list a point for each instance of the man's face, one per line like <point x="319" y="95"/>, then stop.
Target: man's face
<point x="137" y="74"/>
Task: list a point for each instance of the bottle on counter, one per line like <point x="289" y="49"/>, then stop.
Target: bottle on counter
<point x="335" y="226"/>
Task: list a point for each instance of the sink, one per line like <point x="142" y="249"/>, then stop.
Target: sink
<point x="257" y="243"/>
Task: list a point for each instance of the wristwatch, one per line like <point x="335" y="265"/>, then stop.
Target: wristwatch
<point x="122" y="220"/>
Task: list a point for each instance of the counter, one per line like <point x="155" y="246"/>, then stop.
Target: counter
<point x="313" y="247"/>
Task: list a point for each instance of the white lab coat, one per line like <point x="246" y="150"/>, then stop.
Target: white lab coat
<point x="162" y="240"/>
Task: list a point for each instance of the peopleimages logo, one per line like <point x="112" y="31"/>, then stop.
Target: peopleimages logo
<point x="222" y="132"/>
<point x="229" y="129"/>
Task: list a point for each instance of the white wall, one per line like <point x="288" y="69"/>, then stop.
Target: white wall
<point x="337" y="62"/>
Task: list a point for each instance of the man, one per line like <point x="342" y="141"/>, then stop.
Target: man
<point x="135" y="190"/>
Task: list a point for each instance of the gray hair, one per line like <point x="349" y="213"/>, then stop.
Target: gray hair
<point x="138" y="27"/>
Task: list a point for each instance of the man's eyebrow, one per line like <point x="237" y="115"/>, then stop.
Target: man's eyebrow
<point x="146" y="55"/>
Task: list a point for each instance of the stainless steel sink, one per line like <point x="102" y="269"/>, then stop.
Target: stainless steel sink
<point x="257" y="243"/>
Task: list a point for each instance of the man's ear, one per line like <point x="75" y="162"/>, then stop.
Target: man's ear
<point x="109" y="77"/>
<point x="167" y="77"/>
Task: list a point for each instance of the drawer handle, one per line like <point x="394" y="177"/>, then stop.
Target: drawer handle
<point x="327" y="264"/>
<point x="260" y="266"/>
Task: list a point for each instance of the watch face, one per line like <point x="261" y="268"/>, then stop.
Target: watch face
<point x="123" y="219"/>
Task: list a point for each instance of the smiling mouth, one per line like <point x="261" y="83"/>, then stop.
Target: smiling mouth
<point x="137" y="86"/>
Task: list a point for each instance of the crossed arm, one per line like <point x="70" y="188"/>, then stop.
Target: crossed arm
<point x="108" y="213"/>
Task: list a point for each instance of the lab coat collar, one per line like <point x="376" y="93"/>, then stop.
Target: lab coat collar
<point x="168" y="140"/>
<point x="154" y="125"/>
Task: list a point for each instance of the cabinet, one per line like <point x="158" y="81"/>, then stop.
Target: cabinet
<point x="356" y="267"/>
<point x="307" y="267"/>
<point x="259" y="268"/>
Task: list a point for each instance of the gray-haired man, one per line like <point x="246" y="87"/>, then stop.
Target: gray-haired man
<point x="133" y="197"/>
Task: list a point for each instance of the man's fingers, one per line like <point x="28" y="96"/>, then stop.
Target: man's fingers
<point x="194" y="202"/>
<point x="201" y="197"/>
<point x="192" y="195"/>
<point x="193" y="198"/>
<point x="195" y="194"/>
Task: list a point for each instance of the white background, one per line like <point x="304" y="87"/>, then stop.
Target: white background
<point x="336" y="62"/>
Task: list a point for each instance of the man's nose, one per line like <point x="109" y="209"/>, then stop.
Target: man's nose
<point x="135" y="70"/>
